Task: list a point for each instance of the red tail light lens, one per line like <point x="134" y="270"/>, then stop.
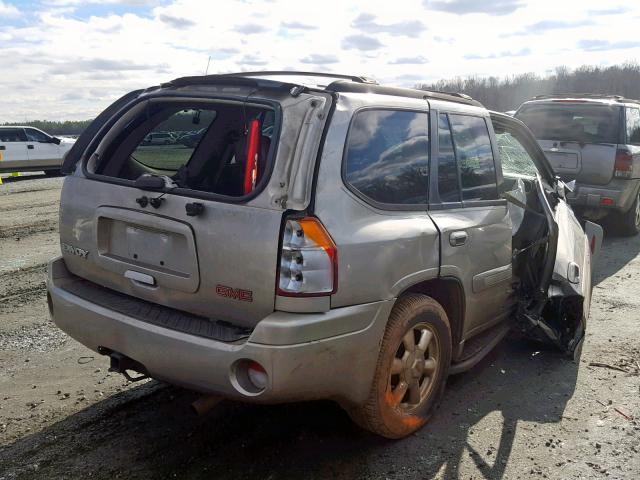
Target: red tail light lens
<point x="308" y="259"/>
<point x="623" y="167"/>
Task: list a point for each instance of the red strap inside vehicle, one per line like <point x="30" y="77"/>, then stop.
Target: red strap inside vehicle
<point x="253" y="149"/>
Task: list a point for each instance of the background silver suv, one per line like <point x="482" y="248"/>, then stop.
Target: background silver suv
<point x="594" y="140"/>
<point x="325" y="237"/>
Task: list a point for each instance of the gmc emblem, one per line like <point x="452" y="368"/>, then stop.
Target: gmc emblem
<point x="234" y="293"/>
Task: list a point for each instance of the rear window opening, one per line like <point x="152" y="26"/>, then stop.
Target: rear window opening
<point x="218" y="148"/>
<point x="573" y="122"/>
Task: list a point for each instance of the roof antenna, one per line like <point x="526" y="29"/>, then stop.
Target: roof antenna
<point x="208" y="62"/>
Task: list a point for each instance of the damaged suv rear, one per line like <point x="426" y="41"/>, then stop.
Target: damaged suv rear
<point x="321" y="237"/>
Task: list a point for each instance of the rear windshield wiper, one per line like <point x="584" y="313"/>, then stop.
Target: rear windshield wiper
<point x="150" y="181"/>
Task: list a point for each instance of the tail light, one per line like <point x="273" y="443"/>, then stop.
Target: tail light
<point x="623" y="167"/>
<point x="308" y="259"/>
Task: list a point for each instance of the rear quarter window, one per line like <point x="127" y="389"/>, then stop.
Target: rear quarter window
<point x="387" y="156"/>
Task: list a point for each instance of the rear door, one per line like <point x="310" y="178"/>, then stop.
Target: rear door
<point x="579" y="137"/>
<point x="13" y="148"/>
<point x="474" y="223"/>
<point x="207" y="246"/>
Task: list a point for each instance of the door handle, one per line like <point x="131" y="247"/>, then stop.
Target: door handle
<point x="458" y="238"/>
<point x="140" y="277"/>
<point x="30" y="147"/>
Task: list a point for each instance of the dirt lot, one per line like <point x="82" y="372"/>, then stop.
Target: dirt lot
<point x="523" y="412"/>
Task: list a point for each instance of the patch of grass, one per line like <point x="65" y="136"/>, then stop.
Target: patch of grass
<point x="165" y="157"/>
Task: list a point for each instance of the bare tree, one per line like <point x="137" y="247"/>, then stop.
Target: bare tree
<point x="509" y="92"/>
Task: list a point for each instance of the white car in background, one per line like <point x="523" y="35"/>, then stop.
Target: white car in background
<point x="25" y="149"/>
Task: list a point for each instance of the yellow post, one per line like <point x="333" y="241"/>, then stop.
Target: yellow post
<point x="0" y="180"/>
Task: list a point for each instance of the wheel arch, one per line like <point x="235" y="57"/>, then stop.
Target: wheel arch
<point x="448" y="292"/>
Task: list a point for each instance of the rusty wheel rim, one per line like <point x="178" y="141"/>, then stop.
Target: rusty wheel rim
<point x="414" y="368"/>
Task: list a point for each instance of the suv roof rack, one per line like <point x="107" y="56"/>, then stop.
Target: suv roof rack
<point x="352" y="78"/>
<point x="344" y="83"/>
<point x="341" y="86"/>
<point x="579" y="95"/>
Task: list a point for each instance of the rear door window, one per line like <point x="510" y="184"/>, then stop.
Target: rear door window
<point x="12" y="135"/>
<point x="633" y="126"/>
<point x="387" y="157"/>
<point x="475" y="157"/>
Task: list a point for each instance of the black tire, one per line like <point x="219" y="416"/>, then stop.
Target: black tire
<point x="629" y="223"/>
<point x="392" y="410"/>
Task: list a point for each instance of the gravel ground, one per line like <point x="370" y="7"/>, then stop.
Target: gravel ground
<point x="523" y="412"/>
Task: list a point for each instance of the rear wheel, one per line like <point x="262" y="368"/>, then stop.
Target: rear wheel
<point x="629" y="222"/>
<point x="412" y="369"/>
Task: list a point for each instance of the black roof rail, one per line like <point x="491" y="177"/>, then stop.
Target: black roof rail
<point x="352" y="78"/>
<point x="341" y="86"/>
<point x="579" y="95"/>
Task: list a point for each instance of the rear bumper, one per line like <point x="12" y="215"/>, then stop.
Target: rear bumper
<point x="306" y="356"/>
<point x="590" y="197"/>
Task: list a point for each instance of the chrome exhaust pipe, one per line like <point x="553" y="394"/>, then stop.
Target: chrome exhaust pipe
<point x="204" y="404"/>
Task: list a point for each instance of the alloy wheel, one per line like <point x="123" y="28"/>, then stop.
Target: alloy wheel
<point x="414" y="368"/>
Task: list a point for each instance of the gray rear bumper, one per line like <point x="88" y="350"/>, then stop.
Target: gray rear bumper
<point x="306" y="356"/>
<point x="622" y="192"/>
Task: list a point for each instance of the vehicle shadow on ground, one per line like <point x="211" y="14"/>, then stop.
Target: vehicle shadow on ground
<point x="150" y="432"/>
<point x="617" y="251"/>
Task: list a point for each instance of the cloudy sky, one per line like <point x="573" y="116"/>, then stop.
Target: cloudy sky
<point x="67" y="59"/>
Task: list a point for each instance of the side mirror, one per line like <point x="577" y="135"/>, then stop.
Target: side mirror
<point x="55" y="140"/>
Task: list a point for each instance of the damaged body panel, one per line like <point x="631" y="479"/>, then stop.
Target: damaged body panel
<point x="555" y="273"/>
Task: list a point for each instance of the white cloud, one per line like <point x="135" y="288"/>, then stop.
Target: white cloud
<point x="67" y="59"/>
<point x="8" y="11"/>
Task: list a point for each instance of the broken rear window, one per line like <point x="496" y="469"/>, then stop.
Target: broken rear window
<point x="220" y="148"/>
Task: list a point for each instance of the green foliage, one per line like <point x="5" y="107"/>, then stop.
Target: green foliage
<point x="508" y="93"/>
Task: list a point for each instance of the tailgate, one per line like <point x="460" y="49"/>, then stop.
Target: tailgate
<point x="587" y="163"/>
<point x="221" y="264"/>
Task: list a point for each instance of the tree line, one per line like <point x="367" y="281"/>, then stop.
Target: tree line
<point x="68" y="127"/>
<point x="508" y="93"/>
<point x="495" y="93"/>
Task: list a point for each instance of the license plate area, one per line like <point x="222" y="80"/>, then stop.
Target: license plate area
<point x="151" y="245"/>
<point x="562" y="161"/>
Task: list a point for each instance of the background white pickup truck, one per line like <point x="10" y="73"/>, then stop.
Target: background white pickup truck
<point x="28" y="149"/>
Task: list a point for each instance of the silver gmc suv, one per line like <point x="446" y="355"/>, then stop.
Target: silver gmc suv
<point x="325" y="237"/>
<point x="594" y="140"/>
